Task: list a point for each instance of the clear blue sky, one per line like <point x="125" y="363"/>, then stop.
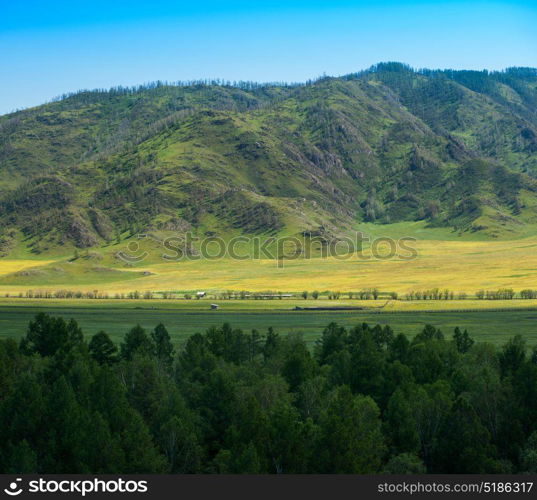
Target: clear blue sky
<point x="56" y="46"/>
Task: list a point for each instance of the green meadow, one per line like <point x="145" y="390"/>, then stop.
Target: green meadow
<point x="184" y="318"/>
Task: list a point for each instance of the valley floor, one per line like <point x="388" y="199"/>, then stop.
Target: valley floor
<point x="457" y="265"/>
<point x="460" y="266"/>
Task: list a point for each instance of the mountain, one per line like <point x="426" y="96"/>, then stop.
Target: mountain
<point x="454" y="149"/>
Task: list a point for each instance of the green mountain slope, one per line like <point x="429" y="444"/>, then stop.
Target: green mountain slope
<point x="456" y="149"/>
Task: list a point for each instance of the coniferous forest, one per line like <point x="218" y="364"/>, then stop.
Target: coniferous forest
<point x="361" y="400"/>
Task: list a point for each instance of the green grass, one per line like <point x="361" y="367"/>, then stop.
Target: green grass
<point x="116" y="317"/>
<point x="68" y="272"/>
<point x="460" y="265"/>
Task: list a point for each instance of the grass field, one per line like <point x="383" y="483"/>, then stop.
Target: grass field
<point x="459" y="265"/>
<point x="8" y="266"/>
<point x="183" y="318"/>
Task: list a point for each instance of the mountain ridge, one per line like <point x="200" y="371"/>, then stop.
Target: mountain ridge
<point x="456" y="149"/>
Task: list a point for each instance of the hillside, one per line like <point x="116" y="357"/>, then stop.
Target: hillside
<point x="454" y="149"/>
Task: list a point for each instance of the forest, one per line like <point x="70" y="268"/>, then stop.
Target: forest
<point x="361" y="400"/>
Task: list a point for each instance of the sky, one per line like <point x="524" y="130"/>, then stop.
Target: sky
<point x="52" y="47"/>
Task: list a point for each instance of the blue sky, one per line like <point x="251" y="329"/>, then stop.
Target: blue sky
<point x="51" y="47"/>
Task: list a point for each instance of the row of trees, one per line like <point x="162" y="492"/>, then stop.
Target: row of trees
<point x="433" y="294"/>
<point x="363" y="400"/>
<point x="365" y="294"/>
<point x="501" y="294"/>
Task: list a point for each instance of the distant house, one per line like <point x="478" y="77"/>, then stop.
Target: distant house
<point x="199" y="295"/>
<point x="214" y="306"/>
